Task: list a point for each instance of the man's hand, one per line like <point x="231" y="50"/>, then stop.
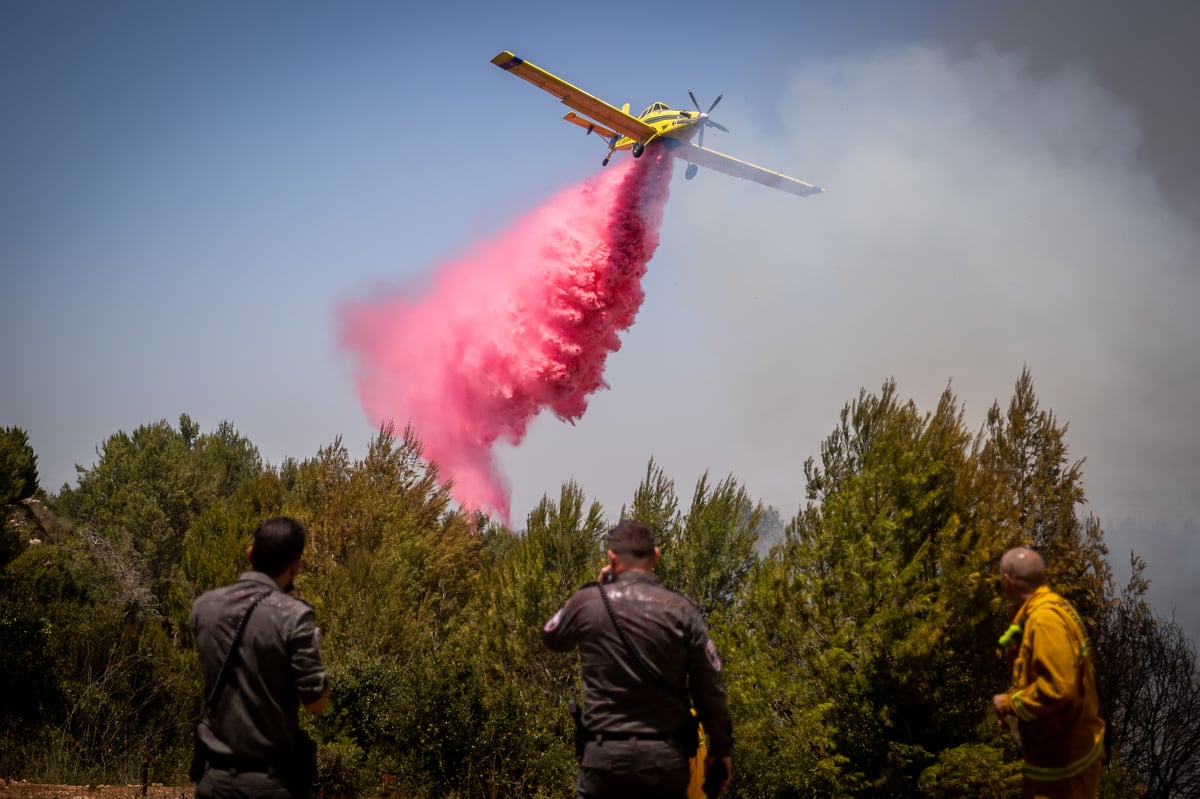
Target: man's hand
<point x="1002" y="706"/>
<point x="317" y="706"/>
<point x="718" y="771"/>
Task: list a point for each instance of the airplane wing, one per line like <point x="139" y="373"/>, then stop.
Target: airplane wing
<point x="576" y="98"/>
<point x="741" y="169"/>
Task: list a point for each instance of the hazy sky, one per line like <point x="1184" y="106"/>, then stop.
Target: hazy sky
<point x="189" y="192"/>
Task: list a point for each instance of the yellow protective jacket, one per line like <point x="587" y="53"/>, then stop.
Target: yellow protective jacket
<point x="1054" y="690"/>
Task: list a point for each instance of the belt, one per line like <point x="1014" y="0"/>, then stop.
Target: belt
<point x="239" y="763"/>
<point x="633" y="736"/>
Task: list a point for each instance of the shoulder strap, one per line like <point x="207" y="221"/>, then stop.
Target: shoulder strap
<point x="637" y="656"/>
<point x="237" y="637"/>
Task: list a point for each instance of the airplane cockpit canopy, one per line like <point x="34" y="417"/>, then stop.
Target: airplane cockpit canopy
<point x="656" y="107"/>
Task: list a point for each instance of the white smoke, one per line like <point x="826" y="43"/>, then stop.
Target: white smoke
<point x="977" y="220"/>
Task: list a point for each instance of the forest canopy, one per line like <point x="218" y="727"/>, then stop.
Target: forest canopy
<point x="858" y="636"/>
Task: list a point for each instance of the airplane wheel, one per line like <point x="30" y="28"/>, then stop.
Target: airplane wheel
<point x="691" y="171"/>
<point x="638" y="149"/>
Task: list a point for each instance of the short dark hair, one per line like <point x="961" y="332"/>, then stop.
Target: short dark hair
<point x="278" y="543"/>
<point x="632" y="540"/>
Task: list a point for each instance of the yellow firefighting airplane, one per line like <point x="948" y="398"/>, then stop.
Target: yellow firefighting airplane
<point x="674" y="127"/>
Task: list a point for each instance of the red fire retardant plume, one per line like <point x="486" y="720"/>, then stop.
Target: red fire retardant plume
<point x="521" y="323"/>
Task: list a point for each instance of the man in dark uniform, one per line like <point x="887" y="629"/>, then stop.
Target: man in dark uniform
<point x="255" y="747"/>
<point x="636" y="705"/>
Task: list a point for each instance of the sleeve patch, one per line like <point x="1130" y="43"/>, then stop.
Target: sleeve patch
<point x="552" y="625"/>
<point x="710" y="649"/>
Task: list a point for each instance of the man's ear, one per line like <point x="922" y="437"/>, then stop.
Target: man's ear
<point x="250" y="554"/>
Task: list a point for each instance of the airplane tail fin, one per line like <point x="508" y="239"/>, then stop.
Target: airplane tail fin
<point x="625" y="108"/>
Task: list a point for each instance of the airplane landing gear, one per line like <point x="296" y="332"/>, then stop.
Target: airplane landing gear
<point x="638" y="149"/>
<point x="691" y="171"/>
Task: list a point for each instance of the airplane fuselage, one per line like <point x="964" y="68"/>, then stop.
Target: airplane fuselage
<point x="668" y="123"/>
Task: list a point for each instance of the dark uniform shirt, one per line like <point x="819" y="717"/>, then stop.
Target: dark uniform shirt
<point x="668" y="630"/>
<point x="277" y="667"/>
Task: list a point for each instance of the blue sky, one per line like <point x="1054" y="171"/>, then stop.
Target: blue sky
<point x="188" y="191"/>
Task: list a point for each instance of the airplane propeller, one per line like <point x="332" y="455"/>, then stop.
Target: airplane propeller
<point x="704" y="115"/>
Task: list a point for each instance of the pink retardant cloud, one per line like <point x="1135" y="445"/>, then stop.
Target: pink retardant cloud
<point x="522" y="323"/>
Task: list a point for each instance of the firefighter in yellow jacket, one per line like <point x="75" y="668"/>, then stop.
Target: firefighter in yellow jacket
<point x="1053" y="696"/>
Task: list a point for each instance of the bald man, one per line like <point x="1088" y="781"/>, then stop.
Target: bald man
<point x="1053" y="695"/>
